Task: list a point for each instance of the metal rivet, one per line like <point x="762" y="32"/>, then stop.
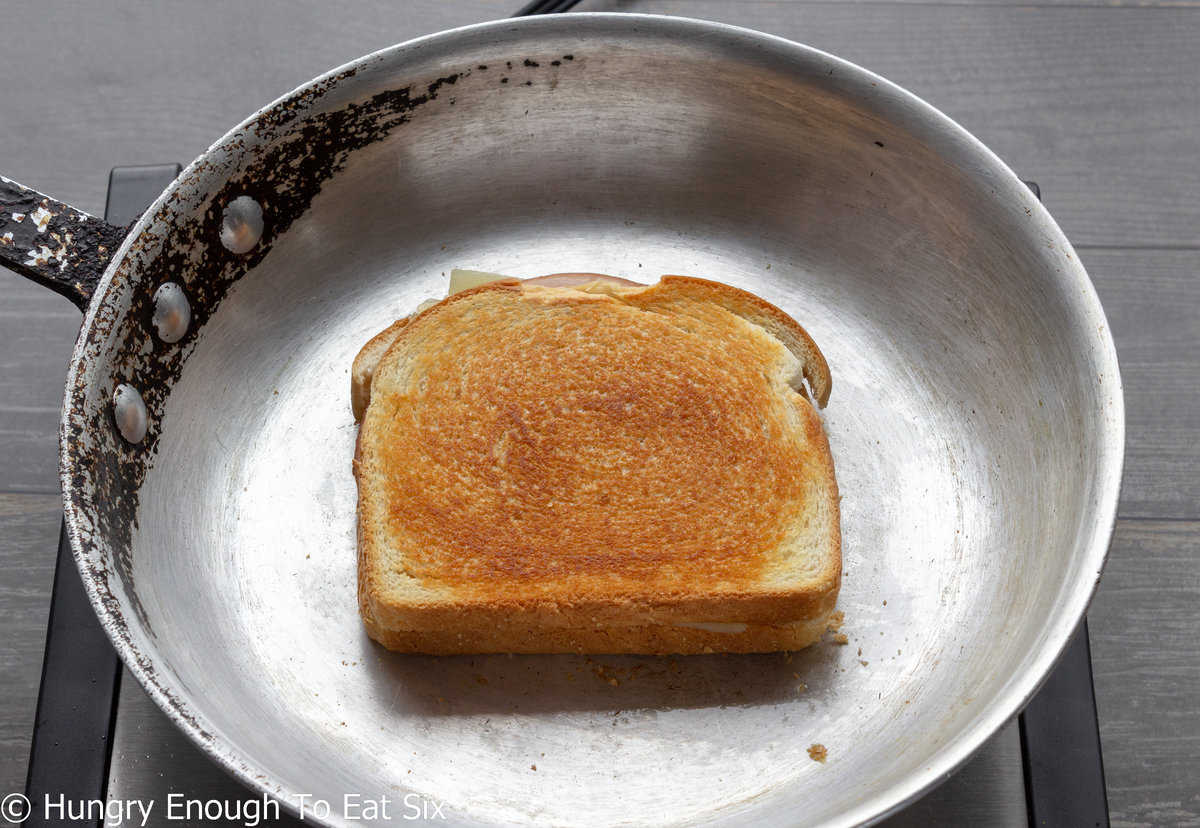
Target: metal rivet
<point x="241" y="224"/>
<point x="172" y="313"/>
<point x="129" y="412"/>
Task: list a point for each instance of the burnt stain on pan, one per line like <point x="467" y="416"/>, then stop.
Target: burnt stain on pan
<point x="292" y="152"/>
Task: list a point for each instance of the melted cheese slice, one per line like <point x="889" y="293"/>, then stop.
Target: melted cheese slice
<point x="461" y="280"/>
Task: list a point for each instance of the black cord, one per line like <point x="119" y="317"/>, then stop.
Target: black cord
<point x="545" y="7"/>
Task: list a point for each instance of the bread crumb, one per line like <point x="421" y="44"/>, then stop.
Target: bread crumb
<point x="533" y="767"/>
<point x="817" y="753"/>
<point x="860" y="651"/>
<point x="863" y="663"/>
<point x="840" y="639"/>
<point x="836" y="619"/>
<point x="613" y="682"/>
<point x="885" y="602"/>
<point x="480" y="679"/>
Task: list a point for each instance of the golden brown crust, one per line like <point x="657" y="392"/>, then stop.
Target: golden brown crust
<point x="527" y="559"/>
<point x="571" y="375"/>
<point x="365" y="362"/>
<point x="363" y="369"/>
<point x="648" y="640"/>
<point x="760" y="312"/>
<point x="814" y="367"/>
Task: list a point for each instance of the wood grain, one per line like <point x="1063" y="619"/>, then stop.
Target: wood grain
<point x="1099" y="103"/>
<point x="1152" y="300"/>
<point x="29" y="525"/>
<point x="37" y="332"/>
<point x="1144" y="627"/>
<point x="147" y="83"/>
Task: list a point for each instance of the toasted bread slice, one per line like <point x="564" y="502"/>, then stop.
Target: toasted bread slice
<point x="363" y="368"/>
<point x="548" y="469"/>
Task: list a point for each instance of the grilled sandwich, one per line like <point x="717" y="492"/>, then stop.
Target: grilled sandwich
<point x="590" y="465"/>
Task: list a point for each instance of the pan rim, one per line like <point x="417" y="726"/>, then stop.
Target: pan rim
<point x="1070" y="605"/>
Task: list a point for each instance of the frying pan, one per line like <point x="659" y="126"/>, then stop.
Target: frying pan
<point x="976" y="420"/>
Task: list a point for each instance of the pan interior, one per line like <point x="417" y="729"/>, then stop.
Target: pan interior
<point x="964" y="418"/>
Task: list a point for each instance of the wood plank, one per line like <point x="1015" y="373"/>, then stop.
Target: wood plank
<point x="29" y="525"/>
<point x="1096" y="102"/>
<point x="159" y="82"/>
<point x="1099" y="105"/>
<point x="1144" y="629"/>
<point x="37" y="332"/>
<point x="1152" y="300"/>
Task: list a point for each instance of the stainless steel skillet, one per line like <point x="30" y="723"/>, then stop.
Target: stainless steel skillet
<point x="976" y="419"/>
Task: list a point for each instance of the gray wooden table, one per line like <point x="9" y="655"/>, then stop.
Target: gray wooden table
<point x="1097" y="100"/>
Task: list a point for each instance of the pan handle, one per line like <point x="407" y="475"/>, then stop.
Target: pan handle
<point x="54" y="244"/>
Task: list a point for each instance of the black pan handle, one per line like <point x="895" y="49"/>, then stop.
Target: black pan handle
<point x="54" y="244"/>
